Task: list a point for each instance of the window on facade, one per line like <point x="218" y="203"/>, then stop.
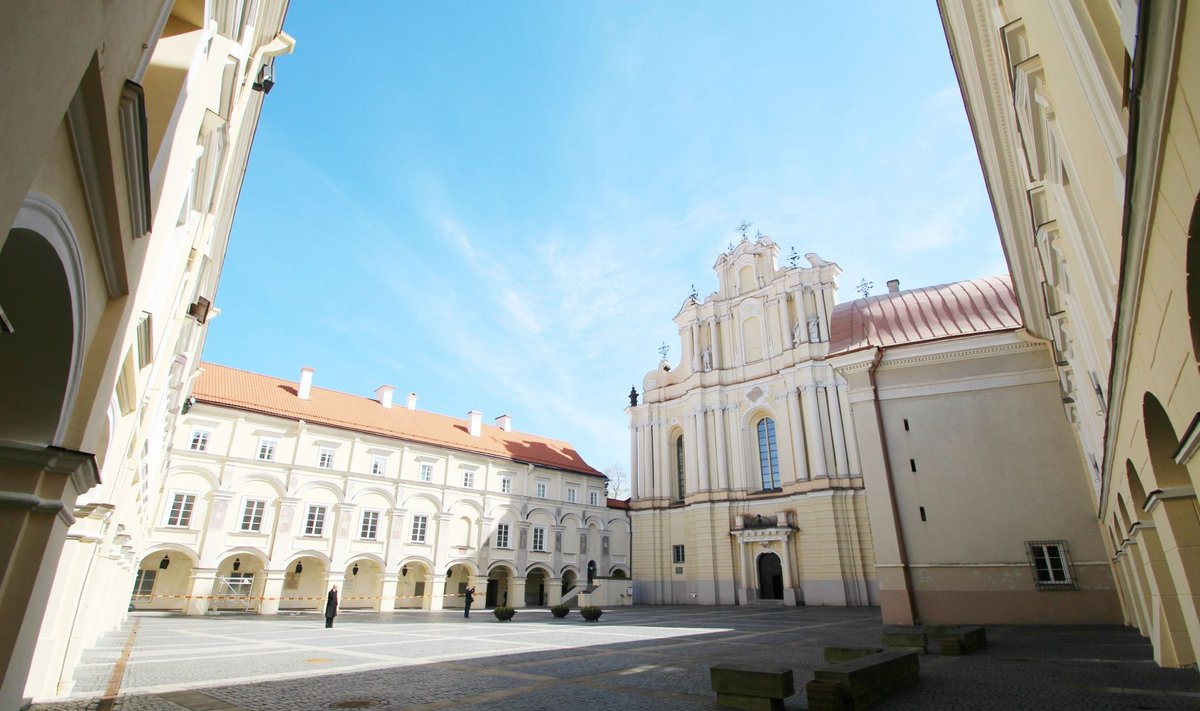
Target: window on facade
<point x="314" y="523"/>
<point x="420" y="524"/>
<point x="677" y="553"/>
<point x="266" y="449"/>
<point x="594" y="498"/>
<point x="252" y="514"/>
<point x="378" y="465"/>
<point x="541" y="489"/>
<point x="180" y="513"/>
<point x="468" y="478"/>
<point x="369" y="527"/>
<point x="768" y="454"/>
<point x="502" y="535"/>
<point x="506" y="485"/>
<point x="199" y="441"/>
<point x="143" y="586"/>
<point x="539" y="538"/>
<point x="325" y="458"/>
<point x="572" y="495"/>
<point x="426" y="473"/>
<point x="680" y="479"/>
<point x="1051" y="565"/>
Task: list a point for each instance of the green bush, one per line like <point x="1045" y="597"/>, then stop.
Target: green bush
<point x="591" y="613"/>
<point x="504" y="614"/>
<point x="560" y="611"/>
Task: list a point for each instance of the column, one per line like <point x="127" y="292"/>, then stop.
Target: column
<point x="848" y="433"/>
<point x="812" y="431"/>
<point x="345" y="514"/>
<point x="213" y="543"/>
<point x="799" y="454"/>
<point x="281" y="539"/>
<point x="395" y="538"/>
<point x="702" y="449"/>
<point x="722" y="460"/>
<point x="695" y="329"/>
<point x="634" y="468"/>
<point x="387" y="592"/>
<point x="436" y="585"/>
<point x="553" y="588"/>
<point x="789" y="584"/>
<point x="662" y="483"/>
<point x="737" y="478"/>
<point x="784" y="327"/>
<point x="835" y="426"/>
<point x="200" y="590"/>
<point x="272" y="591"/>
<point x="714" y="342"/>
<point x="691" y="468"/>
<point x="516" y="591"/>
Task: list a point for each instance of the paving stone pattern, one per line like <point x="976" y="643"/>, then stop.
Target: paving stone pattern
<point x="634" y="658"/>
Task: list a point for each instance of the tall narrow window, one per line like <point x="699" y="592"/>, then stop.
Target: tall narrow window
<point x="180" y="513"/>
<point x="378" y="465"/>
<point x="426" y="473"/>
<point x="677" y="554"/>
<point x="572" y="495"/>
<point x="369" y="527"/>
<point x="502" y="531"/>
<point x="468" y="479"/>
<point x="314" y="523"/>
<point x="768" y="454"/>
<point x="252" y="514"/>
<point x="506" y="485"/>
<point x="325" y="458"/>
<point x="199" y="440"/>
<point x="1051" y="565"/>
<point x="420" y="524"/>
<point x="680" y="478"/>
<point x="266" y="449"/>
<point x="541" y="489"/>
<point x="594" y="498"/>
<point x="539" y="538"/>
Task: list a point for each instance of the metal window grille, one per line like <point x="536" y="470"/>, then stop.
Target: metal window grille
<point x="252" y="514"/>
<point x="181" y="510"/>
<point x="314" y="523"/>
<point x="1051" y="565"/>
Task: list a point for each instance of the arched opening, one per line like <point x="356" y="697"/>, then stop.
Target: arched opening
<point x="362" y="585"/>
<point x="618" y="574"/>
<point x="458" y="579"/>
<point x="304" y="584"/>
<point x="38" y="333"/>
<point x="591" y="572"/>
<point x="770" y="577"/>
<point x="680" y="471"/>
<point x="1193" y="278"/>
<point x="239" y="582"/>
<point x="499" y="580"/>
<point x="768" y="454"/>
<point x="1162" y="442"/>
<point x="535" y="588"/>
<point x="412" y="588"/>
<point x="569" y="581"/>
<point x="162" y="581"/>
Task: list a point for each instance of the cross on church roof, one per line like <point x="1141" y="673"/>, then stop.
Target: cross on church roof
<point x="664" y="349"/>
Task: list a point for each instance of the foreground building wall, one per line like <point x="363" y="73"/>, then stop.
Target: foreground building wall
<point x="125" y="142"/>
<point x="746" y="482"/>
<point x="277" y="491"/>
<point x="977" y="492"/>
<point x="1084" y="115"/>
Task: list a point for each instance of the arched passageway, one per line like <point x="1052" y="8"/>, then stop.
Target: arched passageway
<point x="412" y="587"/>
<point x="304" y="584"/>
<point x="362" y="585"/>
<point x="770" y="577"/>
<point x="162" y="581"/>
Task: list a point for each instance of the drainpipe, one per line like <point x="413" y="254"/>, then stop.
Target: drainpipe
<point x="891" y="489"/>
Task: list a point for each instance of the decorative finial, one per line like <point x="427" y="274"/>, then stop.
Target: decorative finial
<point x="633" y="396"/>
<point x="758" y="234"/>
<point x="864" y="287"/>
<point x="743" y="227"/>
<point x="793" y="258"/>
<point x="663" y="350"/>
<point x="731" y="246"/>
<point x="693" y="294"/>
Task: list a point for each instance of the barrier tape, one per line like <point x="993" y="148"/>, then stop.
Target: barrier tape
<point x="153" y="597"/>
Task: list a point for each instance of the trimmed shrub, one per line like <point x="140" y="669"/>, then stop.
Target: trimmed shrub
<point x="591" y="613"/>
<point x="504" y="614"/>
<point x="560" y="611"/>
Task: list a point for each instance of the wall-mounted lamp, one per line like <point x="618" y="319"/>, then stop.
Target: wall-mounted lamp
<point x="237" y="564"/>
<point x="187" y="406"/>
<point x="299" y="568"/>
<point x="266" y="79"/>
<point x="354" y="570"/>
<point x="404" y="571"/>
<point x="164" y="563"/>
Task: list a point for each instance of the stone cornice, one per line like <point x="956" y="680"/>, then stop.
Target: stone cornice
<point x="777" y="533"/>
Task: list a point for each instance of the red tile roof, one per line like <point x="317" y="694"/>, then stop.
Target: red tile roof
<point x="238" y="389"/>
<point x="618" y="504"/>
<point x="930" y="313"/>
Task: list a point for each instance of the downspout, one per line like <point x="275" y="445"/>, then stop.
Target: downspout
<point x="891" y="489"/>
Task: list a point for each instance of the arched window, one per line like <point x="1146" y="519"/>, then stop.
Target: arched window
<point x="768" y="454"/>
<point x="680" y="480"/>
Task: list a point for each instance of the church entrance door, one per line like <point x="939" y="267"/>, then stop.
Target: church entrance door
<point x="770" y="577"/>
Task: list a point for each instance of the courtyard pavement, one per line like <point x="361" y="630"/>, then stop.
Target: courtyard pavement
<point x="633" y="658"/>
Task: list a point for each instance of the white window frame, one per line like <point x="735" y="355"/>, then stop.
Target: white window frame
<point x="248" y="515"/>
<point x="418" y="532"/>
<point x="379" y="465"/>
<point x="368" y="522"/>
<point x="1042" y="560"/>
<point x="572" y="495"/>
<point x="266" y="449"/>
<point x="468" y="478"/>
<point x="200" y="439"/>
<point x="506" y="485"/>
<point x="594" y="498"/>
<point x="425" y="472"/>
<point x="541" y="489"/>
<point x="187" y="508"/>
<point x="678" y="554"/>
<point x="538" y="540"/>
<point x="325" y="458"/>
<point x="139" y="582"/>
<point x="503" y="535"/>
<point x="315" y="525"/>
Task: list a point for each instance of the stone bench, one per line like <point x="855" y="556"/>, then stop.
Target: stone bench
<point x="906" y="638"/>
<point x="837" y="655"/>
<point x="961" y="640"/>
<point x="753" y="688"/>
<point x="862" y="683"/>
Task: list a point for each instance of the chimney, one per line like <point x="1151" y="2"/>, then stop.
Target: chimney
<point x="305" y="388"/>
<point x="412" y="401"/>
<point x="504" y="422"/>
<point x="893" y="286"/>
<point x="476" y="418"/>
<point x="383" y="394"/>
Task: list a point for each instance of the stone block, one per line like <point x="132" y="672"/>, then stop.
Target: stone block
<point x="868" y="680"/>
<point x="753" y="688"/>
<point x="837" y="655"/>
<point x="962" y="640"/>
<point x="906" y="637"/>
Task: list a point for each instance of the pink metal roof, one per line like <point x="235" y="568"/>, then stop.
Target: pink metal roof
<point x="930" y="313"/>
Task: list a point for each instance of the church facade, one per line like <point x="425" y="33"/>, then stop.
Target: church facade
<point x="746" y="485"/>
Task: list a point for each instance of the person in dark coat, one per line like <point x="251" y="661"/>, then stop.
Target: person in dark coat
<point x="468" y="598"/>
<point x="331" y="606"/>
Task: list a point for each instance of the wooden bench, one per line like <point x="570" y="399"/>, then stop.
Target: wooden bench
<point x="906" y="638"/>
<point x="862" y="683"/>
<point x="753" y="688"/>
<point x="961" y="640"/>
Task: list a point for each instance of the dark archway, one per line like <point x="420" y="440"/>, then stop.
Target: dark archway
<point x="1162" y="443"/>
<point x="770" y="577"/>
<point x="591" y="572"/>
<point x="1193" y="278"/>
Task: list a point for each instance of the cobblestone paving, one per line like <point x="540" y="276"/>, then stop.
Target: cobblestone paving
<point x="634" y="658"/>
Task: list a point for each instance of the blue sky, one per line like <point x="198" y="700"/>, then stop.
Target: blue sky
<point x="501" y="206"/>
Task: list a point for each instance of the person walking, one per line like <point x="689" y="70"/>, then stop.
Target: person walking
<point x="468" y="598"/>
<point x="331" y="606"/>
